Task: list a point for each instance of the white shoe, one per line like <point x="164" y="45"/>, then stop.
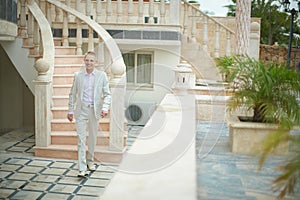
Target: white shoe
<point x="82" y="173"/>
<point x="91" y="167"/>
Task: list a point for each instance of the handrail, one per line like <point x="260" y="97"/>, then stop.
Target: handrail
<point x="107" y="39"/>
<point x="46" y="34"/>
<point x="210" y="18"/>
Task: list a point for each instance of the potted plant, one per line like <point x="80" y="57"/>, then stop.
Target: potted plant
<point x="270" y="92"/>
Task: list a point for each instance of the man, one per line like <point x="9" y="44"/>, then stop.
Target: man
<point x="85" y="104"/>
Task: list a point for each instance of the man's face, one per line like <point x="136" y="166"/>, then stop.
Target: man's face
<point x="89" y="61"/>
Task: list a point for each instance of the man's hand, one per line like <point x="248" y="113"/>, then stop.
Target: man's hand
<point x="70" y="117"/>
<point x="103" y="113"/>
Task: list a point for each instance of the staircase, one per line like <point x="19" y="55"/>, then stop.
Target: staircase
<point x="63" y="133"/>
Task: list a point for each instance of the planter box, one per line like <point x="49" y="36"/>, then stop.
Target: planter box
<point x="247" y="137"/>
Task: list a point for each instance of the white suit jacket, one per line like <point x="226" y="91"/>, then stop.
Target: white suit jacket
<point x="101" y="87"/>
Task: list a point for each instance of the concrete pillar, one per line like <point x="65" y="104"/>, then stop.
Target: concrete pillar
<point x="42" y="100"/>
<point x="254" y="40"/>
<point x="184" y="78"/>
<point x="175" y="8"/>
<point x="117" y="109"/>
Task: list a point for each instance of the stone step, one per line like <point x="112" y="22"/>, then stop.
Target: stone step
<point x="60" y="101"/>
<point x="63" y="79"/>
<point x="67" y="68"/>
<point x="102" y="153"/>
<point x="68" y="59"/>
<point x="61" y="112"/>
<point x="60" y="50"/>
<point x="65" y="125"/>
<point x="70" y="138"/>
<point x="61" y="90"/>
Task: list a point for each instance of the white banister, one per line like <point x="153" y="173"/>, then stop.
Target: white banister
<point x="78" y="37"/>
<point x="141" y="12"/>
<point x="162" y="12"/>
<point x="36" y="38"/>
<point x="185" y="21"/>
<point x="228" y="40"/>
<point x="217" y="41"/>
<point x="151" y="12"/>
<point x="65" y="32"/>
<point x="30" y="29"/>
<point x="119" y="11"/>
<point x="108" y="11"/>
<point x="205" y="34"/>
<point x="88" y="9"/>
<point x="48" y="13"/>
<point x="194" y="29"/>
<point x="98" y="11"/>
<point x="130" y="11"/>
<point x="91" y="39"/>
<point x="23" y="18"/>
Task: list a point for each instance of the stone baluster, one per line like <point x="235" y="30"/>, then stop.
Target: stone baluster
<point x="205" y="33"/>
<point x="228" y="43"/>
<point x="117" y="111"/>
<point x="78" y="37"/>
<point x="48" y="13"/>
<point x="194" y="28"/>
<point x="58" y="14"/>
<point x="141" y="12"/>
<point x="42" y="102"/>
<point x="108" y="11"/>
<point x="162" y="12"/>
<point x="36" y="38"/>
<point x="119" y="11"/>
<point x="30" y="30"/>
<point x="23" y="19"/>
<point x="68" y="3"/>
<point x="98" y="11"/>
<point x="151" y="12"/>
<point x="77" y="5"/>
<point x="91" y="40"/>
<point x="217" y="41"/>
<point x="100" y="54"/>
<point x="88" y="8"/>
<point x="186" y="20"/>
<point x="130" y="11"/>
<point x="65" y="32"/>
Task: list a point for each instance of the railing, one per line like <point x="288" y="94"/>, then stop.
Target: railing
<point x="213" y="36"/>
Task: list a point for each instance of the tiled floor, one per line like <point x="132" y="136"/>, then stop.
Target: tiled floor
<point x="23" y="176"/>
<point x="221" y="174"/>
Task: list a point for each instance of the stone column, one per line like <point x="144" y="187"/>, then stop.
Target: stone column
<point x="184" y="78"/>
<point x="42" y="100"/>
<point x="254" y="40"/>
<point x="175" y="12"/>
<point x="117" y="109"/>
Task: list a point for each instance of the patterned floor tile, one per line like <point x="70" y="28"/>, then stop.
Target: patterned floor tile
<point x="26" y="195"/>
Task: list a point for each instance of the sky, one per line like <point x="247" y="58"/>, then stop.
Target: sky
<point x="215" y="6"/>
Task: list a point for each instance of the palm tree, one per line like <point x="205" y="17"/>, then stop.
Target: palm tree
<point x="243" y="20"/>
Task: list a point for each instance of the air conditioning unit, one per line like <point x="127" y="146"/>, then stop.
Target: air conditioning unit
<point x="138" y="113"/>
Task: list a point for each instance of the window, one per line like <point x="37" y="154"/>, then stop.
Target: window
<point x="139" y="68"/>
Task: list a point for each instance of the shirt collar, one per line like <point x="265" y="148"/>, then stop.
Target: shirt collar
<point x="86" y="74"/>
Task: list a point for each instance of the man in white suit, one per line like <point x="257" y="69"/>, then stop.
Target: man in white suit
<point x="85" y="105"/>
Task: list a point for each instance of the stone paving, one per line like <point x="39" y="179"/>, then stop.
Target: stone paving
<point x="221" y="174"/>
<point x="23" y="176"/>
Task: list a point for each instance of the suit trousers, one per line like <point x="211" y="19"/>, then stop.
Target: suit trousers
<point x="86" y="117"/>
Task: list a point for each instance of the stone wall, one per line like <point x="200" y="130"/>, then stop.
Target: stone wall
<point x="277" y="54"/>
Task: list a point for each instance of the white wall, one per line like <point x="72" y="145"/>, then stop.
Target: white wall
<point x="21" y="61"/>
<point x="166" y="57"/>
<point x="16" y="100"/>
